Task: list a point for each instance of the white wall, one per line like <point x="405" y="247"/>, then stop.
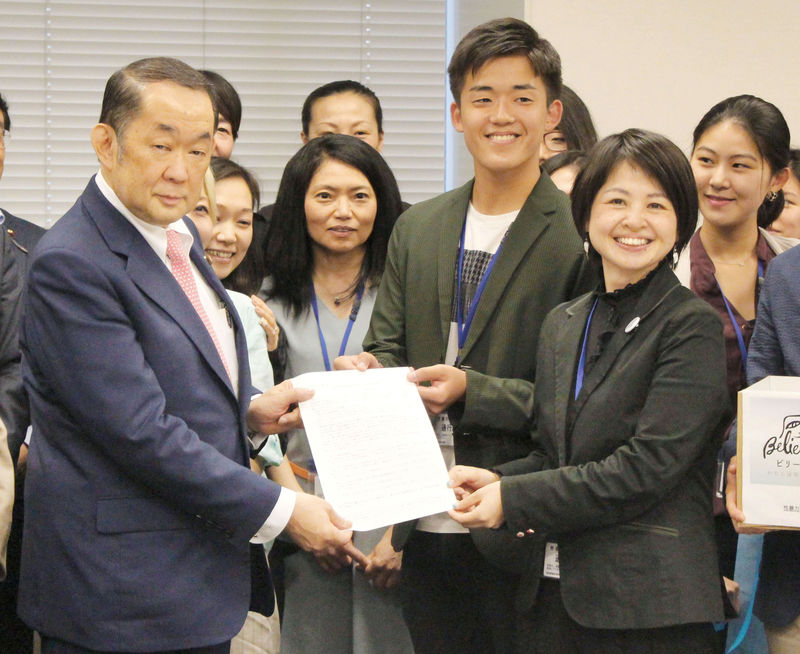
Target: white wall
<point x="661" y="65"/>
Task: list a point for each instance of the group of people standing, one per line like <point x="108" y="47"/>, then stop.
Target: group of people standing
<point x="578" y="351"/>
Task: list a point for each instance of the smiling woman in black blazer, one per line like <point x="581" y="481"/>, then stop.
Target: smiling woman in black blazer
<point x="614" y="501"/>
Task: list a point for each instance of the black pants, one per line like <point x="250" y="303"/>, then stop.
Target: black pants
<point x="15" y="636"/>
<point x="727" y="540"/>
<point x="548" y="629"/>
<point x="54" y="646"/>
<point x="453" y="600"/>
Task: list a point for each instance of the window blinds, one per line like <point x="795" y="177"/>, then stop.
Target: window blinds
<point x="57" y="55"/>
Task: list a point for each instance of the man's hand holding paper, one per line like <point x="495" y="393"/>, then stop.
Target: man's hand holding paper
<point x="274" y="411"/>
<point x="444" y="385"/>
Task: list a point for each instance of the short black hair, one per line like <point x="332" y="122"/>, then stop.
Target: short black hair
<point x="224" y="168"/>
<point x="794" y="163"/>
<point x="122" y="98"/>
<point x="289" y="255"/>
<point x="657" y="157"/>
<point x="504" y="37"/>
<point x="4" y="111"/>
<point x="247" y="276"/>
<point x="334" y="88"/>
<point x="765" y="124"/>
<point x="564" y="159"/>
<point x="576" y="122"/>
<point x="228" y="102"/>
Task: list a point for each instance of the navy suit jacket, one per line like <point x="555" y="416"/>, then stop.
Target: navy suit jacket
<point x="775" y="350"/>
<point x="139" y="501"/>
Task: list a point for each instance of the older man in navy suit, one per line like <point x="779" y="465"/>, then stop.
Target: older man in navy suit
<point x="139" y="500"/>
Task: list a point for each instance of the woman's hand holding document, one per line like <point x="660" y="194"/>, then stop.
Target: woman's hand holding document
<point x="374" y="448"/>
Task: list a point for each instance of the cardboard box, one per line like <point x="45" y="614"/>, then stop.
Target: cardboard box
<point x="768" y="453"/>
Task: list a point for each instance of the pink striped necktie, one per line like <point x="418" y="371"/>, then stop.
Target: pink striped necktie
<point x="182" y="271"/>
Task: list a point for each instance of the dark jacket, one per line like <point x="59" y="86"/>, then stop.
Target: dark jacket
<point x="139" y="499"/>
<point x="624" y="486"/>
<point x="13" y="406"/>
<point x="22" y="236"/>
<point x="540" y="266"/>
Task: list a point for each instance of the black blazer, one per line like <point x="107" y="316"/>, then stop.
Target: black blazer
<point x="625" y="490"/>
<point x="13" y="405"/>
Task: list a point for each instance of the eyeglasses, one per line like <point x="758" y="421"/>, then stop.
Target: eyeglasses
<point x="555" y="141"/>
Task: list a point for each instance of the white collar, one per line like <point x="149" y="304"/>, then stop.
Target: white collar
<point x="155" y="235"/>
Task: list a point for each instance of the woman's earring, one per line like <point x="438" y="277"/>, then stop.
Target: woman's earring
<point x="771" y="197"/>
<point x="586" y="245"/>
<point x="675" y="256"/>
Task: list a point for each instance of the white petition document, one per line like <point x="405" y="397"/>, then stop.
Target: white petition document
<point x="374" y="447"/>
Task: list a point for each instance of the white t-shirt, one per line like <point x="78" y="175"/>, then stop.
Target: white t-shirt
<point x="482" y="237"/>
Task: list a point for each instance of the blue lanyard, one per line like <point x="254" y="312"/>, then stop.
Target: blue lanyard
<point x="350" y="321"/>
<point x="582" y="360"/>
<point x="737" y="330"/>
<point x="748" y="614"/>
<point x="462" y="324"/>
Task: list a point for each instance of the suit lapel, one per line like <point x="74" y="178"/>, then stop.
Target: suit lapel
<point x="198" y="258"/>
<point x="153" y="278"/>
<point x="447" y="256"/>
<point x="600" y="369"/>
<point x="156" y="281"/>
<point x="568" y="344"/>
<point x="531" y="221"/>
<point x="660" y="289"/>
